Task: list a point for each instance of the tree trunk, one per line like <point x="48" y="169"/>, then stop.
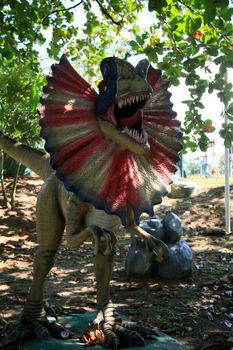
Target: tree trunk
<point x="15" y="185"/>
<point x="5" y="198"/>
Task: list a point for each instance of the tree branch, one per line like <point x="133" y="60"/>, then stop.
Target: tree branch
<point x="64" y="9"/>
<point x="105" y="12"/>
<point x="55" y="11"/>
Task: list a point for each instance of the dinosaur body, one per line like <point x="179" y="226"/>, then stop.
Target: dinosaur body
<point x="113" y="153"/>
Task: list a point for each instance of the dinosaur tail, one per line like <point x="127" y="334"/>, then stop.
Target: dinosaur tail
<point x="33" y="159"/>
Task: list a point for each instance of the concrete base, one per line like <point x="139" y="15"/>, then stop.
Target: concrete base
<point x="183" y="189"/>
<point x="79" y="323"/>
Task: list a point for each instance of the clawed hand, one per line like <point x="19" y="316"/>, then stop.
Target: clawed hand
<point x="154" y="246"/>
<point x="98" y="235"/>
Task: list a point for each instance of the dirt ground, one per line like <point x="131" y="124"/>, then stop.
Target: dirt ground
<point x="197" y="311"/>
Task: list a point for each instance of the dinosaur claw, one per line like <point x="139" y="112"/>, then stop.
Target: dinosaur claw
<point x="65" y="334"/>
<point x="39" y="330"/>
<point x="58" y="331"/>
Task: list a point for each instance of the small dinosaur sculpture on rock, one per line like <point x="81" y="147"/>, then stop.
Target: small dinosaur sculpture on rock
<point x="111" y="156"/>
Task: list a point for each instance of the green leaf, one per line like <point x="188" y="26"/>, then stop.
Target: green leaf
<point x="227" y="13"/>
<point x="210" y="11"/>
<point x="156" y="5"/>
<point x="228" y="141"/>
<point x="221" y="3"/>
<point x="230" y="108"/>
<point x="208" y="122"/>
<point x="200" y="105"/>
<point x="212" y="51"/>
<point x="190" y="144"/>
<point x="195" y="24"/>
<point x="203" y="142"/>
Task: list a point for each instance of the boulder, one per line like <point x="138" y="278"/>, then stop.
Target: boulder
<point x="179" y="262"/>
<point x="172" y="227"/>
<point x="135" y="264"/>
<point x="154" y="227"/>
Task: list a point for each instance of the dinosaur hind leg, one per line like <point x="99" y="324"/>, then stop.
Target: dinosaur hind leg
<point x="117" y="333"/>
<point x="50" y="228"/>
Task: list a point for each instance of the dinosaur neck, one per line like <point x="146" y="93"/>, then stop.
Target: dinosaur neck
<point x="32" y="158"/>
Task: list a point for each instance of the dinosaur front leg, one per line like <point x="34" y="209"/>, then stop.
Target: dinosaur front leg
<point x="94" y="233"/>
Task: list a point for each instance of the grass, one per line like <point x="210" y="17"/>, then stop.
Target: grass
<point x="213" y="182"/>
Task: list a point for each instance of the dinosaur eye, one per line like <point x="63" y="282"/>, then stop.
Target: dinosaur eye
<point x="102" y="87"/>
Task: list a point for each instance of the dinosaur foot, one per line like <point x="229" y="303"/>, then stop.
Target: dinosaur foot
<point x="127" y="334"/>
<point x="40" y="329"/>
<point x="43" y="329"/>
<point x="109" y="330"/>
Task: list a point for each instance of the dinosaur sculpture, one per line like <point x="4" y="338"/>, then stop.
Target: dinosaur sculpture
<point x="113" y="154"/>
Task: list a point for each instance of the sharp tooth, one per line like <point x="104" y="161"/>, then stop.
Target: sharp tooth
<point x="137" y="98"/>
<point x="129" y="101"/>
<point x="119" y="104"/>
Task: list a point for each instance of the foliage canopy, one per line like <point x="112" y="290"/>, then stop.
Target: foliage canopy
<point x="186" y="39"/>
<point x="19" y="91"/>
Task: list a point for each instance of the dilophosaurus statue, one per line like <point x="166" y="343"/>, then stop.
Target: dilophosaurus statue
<point x="112" y="155"/>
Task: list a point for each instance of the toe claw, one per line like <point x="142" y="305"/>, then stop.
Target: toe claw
<point x="39" y="330"/>
<point x="23" y="331"/>
<point x="58" y="331"/>
<point x="128" y="337"/>
<point x="111" y="339"/>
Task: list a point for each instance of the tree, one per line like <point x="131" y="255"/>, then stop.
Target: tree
<point x="187" y="35"/>
<point x="19" y="91"/>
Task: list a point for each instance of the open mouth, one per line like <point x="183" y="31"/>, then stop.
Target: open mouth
<point x="127" y="115"/>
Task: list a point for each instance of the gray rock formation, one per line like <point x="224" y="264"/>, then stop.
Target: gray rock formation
<point x="180" y="260"/>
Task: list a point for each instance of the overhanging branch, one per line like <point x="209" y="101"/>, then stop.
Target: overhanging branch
<point x="105" y="12"/>
<point x="64" y="9"/>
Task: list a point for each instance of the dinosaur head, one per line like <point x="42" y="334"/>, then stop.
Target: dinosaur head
<point x="123" y="93"/>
